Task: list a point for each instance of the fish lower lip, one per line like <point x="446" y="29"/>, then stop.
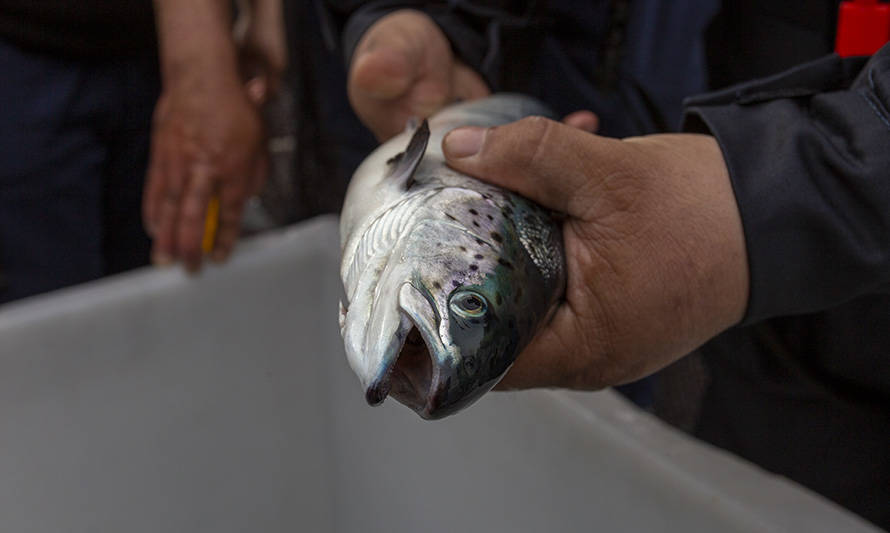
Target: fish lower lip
<point x="412" y="376"/>
<point x="377" y="392"/>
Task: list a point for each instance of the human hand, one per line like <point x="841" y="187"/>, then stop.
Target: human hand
<point x="403" y="67"/>
<point x="206" y="141"/>
<point x="654" y="245"/>
<point x="262" y="48"/>
<point x="206" y="136"/>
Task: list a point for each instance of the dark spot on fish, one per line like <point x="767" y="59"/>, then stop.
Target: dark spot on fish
<point x="474" y="267"/>
<point x="480" y="242"/>
<point x="490" y="217"/>
<point x="437" y="285"/>
<point x="506" y="264"/>
<point x="475" y="223"/>
<point x="451" y="217"/>
<point x="478" y="256"/>
<point x="463" y="249"/>
<point x="486" y="196"/>
<point x="474" y="212"/>
<point x="498" y="298"/>
<point x="497" y="236"/>
<point x="455" y="283"/>
<point x="507" y="211"/>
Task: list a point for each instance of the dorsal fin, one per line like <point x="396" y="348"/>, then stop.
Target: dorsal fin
<point x="405" y="163"/>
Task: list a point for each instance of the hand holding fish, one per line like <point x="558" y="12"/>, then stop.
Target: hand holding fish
<point x="403" y="68"/>
<point x="655" y="251"/>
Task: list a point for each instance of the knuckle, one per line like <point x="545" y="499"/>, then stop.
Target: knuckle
<point x="192" y="212"/>
<point x="532" y="137"/>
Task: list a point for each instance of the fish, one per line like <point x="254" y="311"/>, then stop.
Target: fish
<point x="445" y="278"/>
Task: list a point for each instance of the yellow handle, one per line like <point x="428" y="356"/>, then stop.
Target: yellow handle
<point x="211" y="225"/>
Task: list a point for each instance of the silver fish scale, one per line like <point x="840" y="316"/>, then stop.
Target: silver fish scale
<point x="386" y="230"/>
<point x="539" y="239"/>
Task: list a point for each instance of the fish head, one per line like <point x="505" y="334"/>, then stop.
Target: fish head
<point x="458" y="319"/>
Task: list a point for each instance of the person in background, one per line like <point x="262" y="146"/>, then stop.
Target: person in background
<point x="79" y="86"/>
<point x="757" y="238"/>
<point x="80" y="89"/>
<point x="207" y="138"/>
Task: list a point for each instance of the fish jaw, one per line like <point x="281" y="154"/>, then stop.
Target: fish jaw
<point x="417" y="369"/>
<point x="398" y="360"/>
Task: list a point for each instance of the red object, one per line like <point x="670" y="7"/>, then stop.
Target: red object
<point x="863" y="27"/>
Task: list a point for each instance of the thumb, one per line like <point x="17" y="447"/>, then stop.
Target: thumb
<point x="543" y="160"/>
<point x="387" y="60"/>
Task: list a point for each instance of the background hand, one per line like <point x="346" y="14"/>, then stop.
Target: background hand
<point x="403" y="67"/>
<point x="654" y="243"/>
<point x="206" y="141"/>
<point x="262" y="47"/>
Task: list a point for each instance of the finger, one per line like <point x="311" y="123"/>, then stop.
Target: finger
<point x="401" y="69"/>
<point x="192" y="216"/>
<point x="467" y="83"/>
<point x="583" y="120"/>
<point x="172" y="171"/>
<point x="232" y="198"/>
<point x="228" y="233"/>
<point x="229" y="230"/>
<point x="377" y="80"/>
<point x="257" y="89"/>
<point x="386" y="71"/>
<point x="546" y="161"/>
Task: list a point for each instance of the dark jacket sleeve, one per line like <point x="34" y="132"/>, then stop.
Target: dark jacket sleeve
<point x="475" y="31"/>
<point x="808" y="152"/>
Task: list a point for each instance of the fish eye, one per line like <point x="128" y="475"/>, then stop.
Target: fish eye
<point x="469" y="304"/>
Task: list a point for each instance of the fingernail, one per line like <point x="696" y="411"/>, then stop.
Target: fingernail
<point x="161" y="259"/>
<point x="463" y="142"/>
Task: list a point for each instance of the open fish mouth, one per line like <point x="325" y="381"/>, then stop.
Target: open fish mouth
<point x="411" y="378"/>
<point x="414" y="376"/>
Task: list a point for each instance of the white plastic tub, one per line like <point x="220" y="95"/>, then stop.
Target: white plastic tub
<point x="155" y="402"/>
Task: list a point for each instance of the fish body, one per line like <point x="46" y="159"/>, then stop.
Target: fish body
<point x="445" y="278"/>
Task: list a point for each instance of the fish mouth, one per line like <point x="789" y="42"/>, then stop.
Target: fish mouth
<point x="414" y="376"/>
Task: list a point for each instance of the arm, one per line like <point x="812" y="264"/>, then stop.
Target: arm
<point x="206" y="136"/>
<point x="808" y="153"/>
<point x="659" y="238"/>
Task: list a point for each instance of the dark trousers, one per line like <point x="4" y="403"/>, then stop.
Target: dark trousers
<point x="73" y="152"/>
